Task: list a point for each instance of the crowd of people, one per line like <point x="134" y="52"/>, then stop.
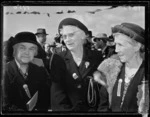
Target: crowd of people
<point x="73" y="74"/>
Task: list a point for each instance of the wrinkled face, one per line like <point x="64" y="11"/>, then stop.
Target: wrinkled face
<point x="24" y="52"/>
<point x="73" y="37"/>
<point x="41" y="38"/>
<point x="125" y="47"/>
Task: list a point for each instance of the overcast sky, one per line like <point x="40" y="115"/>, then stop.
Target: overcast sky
<point x="98" y="19"/>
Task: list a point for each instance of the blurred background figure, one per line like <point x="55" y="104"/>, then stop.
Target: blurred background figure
<point x="41" y="39"/>
<point x="47" y="50"/>
<point x="104" y="44"/>
<point x="100" y="42"/>
<point x="8" y="50"/>
<point x="110" y="50"/>
<point x="60" y="45"/>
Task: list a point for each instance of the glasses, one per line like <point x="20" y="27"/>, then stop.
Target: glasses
<point x="69" y="35"/>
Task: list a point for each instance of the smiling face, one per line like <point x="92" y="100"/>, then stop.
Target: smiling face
<point x="125" y="47"/>
<point x="24" y="52"/>
<point x="73" y="37"/>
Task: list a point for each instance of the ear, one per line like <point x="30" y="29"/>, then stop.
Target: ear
<point x="137" y="46"/>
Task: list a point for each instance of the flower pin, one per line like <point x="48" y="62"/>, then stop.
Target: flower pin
<point x="75" y="76"/>
<point x="87" y="64"/>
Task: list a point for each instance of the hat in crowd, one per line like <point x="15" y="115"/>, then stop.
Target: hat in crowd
<point x="25" y="37"/>
<point x="41" y="31"/>
<point x="101" y="36"/>
<point x="132" y="30"/>
<point x="73" y="22"/>
<point x="111" y="38"/>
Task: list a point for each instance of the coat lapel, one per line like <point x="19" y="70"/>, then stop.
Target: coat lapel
<point x="71" y="65"/>
<point x="19" y="78"/>
<point x="87" y="63"/>
<point x="133" y="85"/>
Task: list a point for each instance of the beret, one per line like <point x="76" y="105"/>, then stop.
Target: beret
<point x="25" y="37"/>
<point x="73" y="22"/>
<point x="134" y="31"/>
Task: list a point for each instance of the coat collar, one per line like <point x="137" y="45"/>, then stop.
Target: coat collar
<point x="19" y="78"/>
<point x="85" y="65"/>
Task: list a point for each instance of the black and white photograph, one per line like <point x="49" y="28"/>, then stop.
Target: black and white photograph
<point x="79" y="58"/>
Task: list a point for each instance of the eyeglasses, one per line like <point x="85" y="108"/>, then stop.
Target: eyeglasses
<point x="69" y="35"/>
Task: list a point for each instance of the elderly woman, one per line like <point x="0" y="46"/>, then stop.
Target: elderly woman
<point x="73" y="88"/>
<point x="128" y="70"/>
<point x="23" y="79"/>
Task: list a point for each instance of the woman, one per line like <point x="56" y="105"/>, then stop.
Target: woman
<point x="72" y="86"/>
<point x="23" y="79"/>
<point x="129" y="39"/>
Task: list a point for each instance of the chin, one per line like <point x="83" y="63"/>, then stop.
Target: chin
<point x="25" y="61"/>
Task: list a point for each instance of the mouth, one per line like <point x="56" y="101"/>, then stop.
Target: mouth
<point x="26" y="57"/>
<point x="69" y="44"/>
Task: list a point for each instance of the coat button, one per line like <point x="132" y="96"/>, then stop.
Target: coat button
<point x="79" y="86"/>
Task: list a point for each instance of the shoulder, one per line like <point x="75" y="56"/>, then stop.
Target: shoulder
<point x="10" y="66"/>
<point x="94" y="54"/>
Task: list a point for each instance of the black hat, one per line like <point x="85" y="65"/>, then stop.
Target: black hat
<point x="132" y="30"/>
<point x="41" y="31"/>
<point x="73" y="22"/>
<point x="25" y="37"/>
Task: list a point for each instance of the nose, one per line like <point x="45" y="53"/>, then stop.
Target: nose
<point x="27" y="52"/>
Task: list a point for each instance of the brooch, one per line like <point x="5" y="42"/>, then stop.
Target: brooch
<point x="87" y="64"/>
<point x="75" y="76"/>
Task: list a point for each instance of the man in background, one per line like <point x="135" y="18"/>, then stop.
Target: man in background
<point x="41" y="39"/>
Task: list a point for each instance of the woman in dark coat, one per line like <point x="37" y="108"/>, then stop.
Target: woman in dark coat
<point x="129" y="39"/>
<point x="127" y="73"/>
<point x="73" y="88"/>
<point x="22" y="79"/>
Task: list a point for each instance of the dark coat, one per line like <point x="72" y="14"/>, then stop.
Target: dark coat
<point x="69" y="93"/>
<point x="110" y="50"/>
<point x="42" y="55"/>
<point x="130" y="100"/>
<point x="15" y="97"/>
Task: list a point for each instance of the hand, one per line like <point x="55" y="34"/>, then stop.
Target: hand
<point x="100" y="78"/>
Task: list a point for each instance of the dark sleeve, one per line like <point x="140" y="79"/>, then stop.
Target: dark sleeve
<point x="59" y="99"/>
<point x="7" y="81"/>
<point x="44" y="91"/>
<point x="104" y="100"/>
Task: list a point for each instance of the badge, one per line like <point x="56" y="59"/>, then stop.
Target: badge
<point x="75" y="76"/>
<point x="119" y="87"/>
<point x="87" y="64"/>
<point x="79" y="86"/>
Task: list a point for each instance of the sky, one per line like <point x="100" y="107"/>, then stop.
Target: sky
<point x="98" y="19"/>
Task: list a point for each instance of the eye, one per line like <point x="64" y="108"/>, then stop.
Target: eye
<point x="22" y="48"/>
<point x="71" y="35"/>
<point x="32" y="49"/>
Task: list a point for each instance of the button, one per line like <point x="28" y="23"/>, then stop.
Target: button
<point x="79" y="86"/>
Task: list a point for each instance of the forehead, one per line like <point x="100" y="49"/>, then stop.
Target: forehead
<point x="68" y="29"/>
<point x="26" y="44"/>
<point x="121" y="38"/>
<point x="41" y="35"/>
